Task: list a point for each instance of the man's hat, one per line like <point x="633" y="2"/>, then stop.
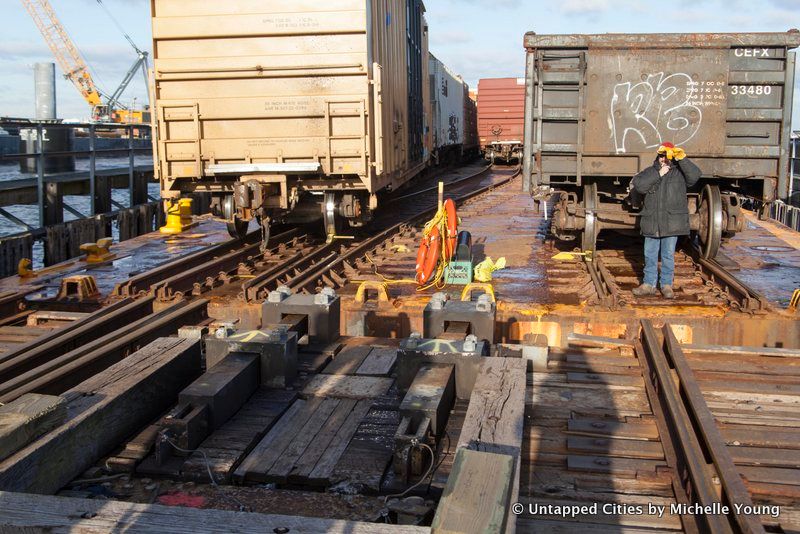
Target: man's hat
<point x="664" y="146"/>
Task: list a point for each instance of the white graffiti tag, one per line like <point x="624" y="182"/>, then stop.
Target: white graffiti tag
<point x="658" y="109"/>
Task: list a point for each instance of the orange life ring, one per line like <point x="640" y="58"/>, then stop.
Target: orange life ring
<point x="452" y="229"/>
<point x="428" y="256"/>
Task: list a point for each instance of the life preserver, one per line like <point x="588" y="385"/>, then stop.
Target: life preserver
<point x="428" y="256"/>
<point x="452" y="229"/>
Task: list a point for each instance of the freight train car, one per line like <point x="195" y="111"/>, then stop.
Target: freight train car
<point x="501" y="115"/>
<point x="471" y="147"/>
<point x="598" y="106"/>
<point x="447" y="111"/>
<point x="288" y="109"/>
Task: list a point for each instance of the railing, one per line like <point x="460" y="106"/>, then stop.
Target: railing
<point x="48" y="187"/>
<point x="785" y="214"/>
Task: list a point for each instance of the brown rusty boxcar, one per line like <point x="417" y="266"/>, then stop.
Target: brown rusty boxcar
<point x="501" y="115"/>
<point x="278" y="108"/>
<point x="598" y="106"/>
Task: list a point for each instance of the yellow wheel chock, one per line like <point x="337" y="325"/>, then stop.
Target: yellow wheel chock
<point x="179" y="217"/>
<point x="466" y="294"/>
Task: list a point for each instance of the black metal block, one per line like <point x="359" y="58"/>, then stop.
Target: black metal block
<point x="465" y="354"/>
<point x="322" y="310"/>
<point x="441" y="312"/>
<point x="187" y="427"/>
<point x="431" y="395"/>
<point x="224" y="388"/>
<point x="275" y="345"/>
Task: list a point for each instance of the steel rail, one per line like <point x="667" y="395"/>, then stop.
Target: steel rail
<point x="257" y="288"/>
<point x="436" y="187"/>
<point x="41" y="350"/>
<point x="12" y="303"/>
<point x="145" y="282"/>
<point x="306" y="281"/>
<point x="692" y="467"/>
<point x="747" y="299"/>
<point x="600" y="280"/>
<point x="68" y="370"/>
<point x="734" y="490"/>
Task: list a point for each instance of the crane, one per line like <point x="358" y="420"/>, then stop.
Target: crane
<point x="76" y="70"/>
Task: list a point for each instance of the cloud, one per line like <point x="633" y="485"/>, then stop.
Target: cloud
<point x="583" y="6"/>
<point x="450" y="37"/>
<point x="16" y="50"/>
<point x="786" y="4"/>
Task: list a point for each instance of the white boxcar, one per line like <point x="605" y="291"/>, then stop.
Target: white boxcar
<point x="272" y="105"/>
<point x="447" y="110"/>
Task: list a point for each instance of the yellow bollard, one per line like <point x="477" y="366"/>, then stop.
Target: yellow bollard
<point x="24" y="268"/>
<point x="179" y="217"/>
<point x="98" y="252"/>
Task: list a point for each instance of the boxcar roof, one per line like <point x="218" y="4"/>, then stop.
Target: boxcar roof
<point x="789" y="39"/>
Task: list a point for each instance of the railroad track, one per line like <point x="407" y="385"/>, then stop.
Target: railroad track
<point x="157" y="302"/>
<point x="295" y="259"/>
<point x="637" y="425"/>
<point x="699" y="281"/>
<point x="71" y="355"/>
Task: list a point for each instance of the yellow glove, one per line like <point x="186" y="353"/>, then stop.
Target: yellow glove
<point x="483" y="271"/>
<point x="672" y="153"/>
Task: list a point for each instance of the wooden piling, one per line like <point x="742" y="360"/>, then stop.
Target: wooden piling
<point x="13" y="249"/>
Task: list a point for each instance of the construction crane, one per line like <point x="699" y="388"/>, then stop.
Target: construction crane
<point x="105" y="107"/>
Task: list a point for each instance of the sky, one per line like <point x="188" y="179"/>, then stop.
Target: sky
<point x="476" y="38"/>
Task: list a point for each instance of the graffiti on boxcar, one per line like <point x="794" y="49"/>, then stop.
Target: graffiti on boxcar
<point x="453" y="129"/>
<point x="661" y="108"/>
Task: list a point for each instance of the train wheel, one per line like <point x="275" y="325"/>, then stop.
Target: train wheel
<point x="237" y="227"/>
<point x="331" y="220"/>
<point x="710" y="233"/>
<point x="591" y="227"/>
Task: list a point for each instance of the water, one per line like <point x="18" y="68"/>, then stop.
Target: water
<point x="29" y="213"/>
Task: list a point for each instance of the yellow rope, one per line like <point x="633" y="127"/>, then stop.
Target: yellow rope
<point x="439" y="220"/>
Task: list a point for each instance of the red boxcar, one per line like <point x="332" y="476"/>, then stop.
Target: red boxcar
<point x="501" y="115"/>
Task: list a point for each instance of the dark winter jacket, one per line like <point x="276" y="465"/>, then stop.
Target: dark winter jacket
<point x="665" y="212"/>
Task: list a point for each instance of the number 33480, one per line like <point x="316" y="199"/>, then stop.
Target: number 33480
<point x="751" y="89"/>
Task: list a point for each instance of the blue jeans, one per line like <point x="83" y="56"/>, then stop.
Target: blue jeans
<point x="666" y="245"/>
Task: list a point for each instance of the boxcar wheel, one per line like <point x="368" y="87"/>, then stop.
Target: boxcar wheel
<point x="710" y="232"/>
<point x="237" y="227"/>
<point x="331" y="219"/>
<point x="591" y="227"/>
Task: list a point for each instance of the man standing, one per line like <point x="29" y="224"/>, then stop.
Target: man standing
<point x="665" y="214"/>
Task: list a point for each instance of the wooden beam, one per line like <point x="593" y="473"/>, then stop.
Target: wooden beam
<point x="102" y="411"/>
<point x="494" y="421"/>
<point x="347" y="387"/>
<point x="41" y="513"/>
<point x="27" y="418"/>
<point x="495" y="416"/>
<point x="477" y="496"/>
<point x="225" y="387"/>
<point x="741" y="351"/>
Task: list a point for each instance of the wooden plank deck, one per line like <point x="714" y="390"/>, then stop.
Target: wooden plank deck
<point x="40" y="513"/>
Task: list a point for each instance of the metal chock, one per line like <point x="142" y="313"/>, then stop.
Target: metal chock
<point x="179" y="217"/>
<point x="98" y="252"/>
<point x="79" y="287"/>
<point x="372" y="285"/>
<point x="466" y="294"/>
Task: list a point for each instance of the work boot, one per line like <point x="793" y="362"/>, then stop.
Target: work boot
<point x="667" y="293"/>
<point x="644" y="290"/>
